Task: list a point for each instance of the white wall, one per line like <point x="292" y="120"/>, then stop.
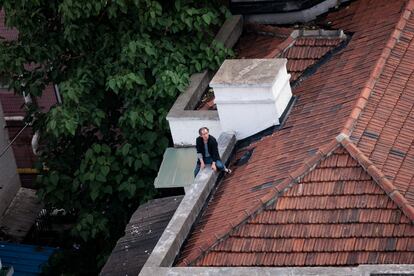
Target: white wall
<point x="184" y="131"/>
<point x="251" y="95"/>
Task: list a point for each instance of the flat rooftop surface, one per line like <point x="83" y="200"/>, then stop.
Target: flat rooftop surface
<point x="247" y="72"/>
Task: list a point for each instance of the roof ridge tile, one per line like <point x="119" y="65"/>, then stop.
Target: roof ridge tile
<point x="377" y="70"/>
<point x="281" y="47"/>
<point x="377" y="175"/>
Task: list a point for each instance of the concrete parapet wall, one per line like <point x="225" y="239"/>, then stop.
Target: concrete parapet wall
<point x="184" y="121"/>
<point x="362" y="270"/>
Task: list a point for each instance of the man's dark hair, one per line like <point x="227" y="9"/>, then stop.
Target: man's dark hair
<point x="203" y="128"/>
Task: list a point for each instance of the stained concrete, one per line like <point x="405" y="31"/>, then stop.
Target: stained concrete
<point x="248" y="72"/>
<point x="362" y="270"/>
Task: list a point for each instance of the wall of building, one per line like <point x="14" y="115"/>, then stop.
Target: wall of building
<point x="9" y="179"/>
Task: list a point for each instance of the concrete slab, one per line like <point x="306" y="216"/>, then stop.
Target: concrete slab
<point x="248" y="72"/>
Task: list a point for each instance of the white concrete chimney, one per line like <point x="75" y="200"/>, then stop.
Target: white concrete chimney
<point x="251" y="94"/>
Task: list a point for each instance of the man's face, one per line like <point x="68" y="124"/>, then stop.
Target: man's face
<point x="204" y="134"/>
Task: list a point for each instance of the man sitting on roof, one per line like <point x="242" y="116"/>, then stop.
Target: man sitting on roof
<point x="207" y="152"/>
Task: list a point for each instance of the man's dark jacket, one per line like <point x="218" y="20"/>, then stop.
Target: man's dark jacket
<point x="211" y="145"/>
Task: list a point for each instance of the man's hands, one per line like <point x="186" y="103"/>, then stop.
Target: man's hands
<point x="213" y="165"/>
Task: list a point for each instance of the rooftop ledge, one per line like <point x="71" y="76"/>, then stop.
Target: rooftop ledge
<point x="390" y="269"/>
<point x="248" y="73"/>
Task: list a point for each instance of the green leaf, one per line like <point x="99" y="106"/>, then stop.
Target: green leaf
<point x="88" y="154"/>
<point x="131" y="190"/>
<point x="125" y="149"/>
<point x="89" y="218"/>
<point x="101" y="160"/>
<point x="207" y="18"/>
<point x="101" y="178"/>
<point x="148" y="116"/>
<point x="177" y="5"/>
<point x="54" y="178"/>
<point x="94" y="194"/>
<point x="145" y="159"/>
<point x="105" y="170"/>
<point x="150" y="50"/>
<point x="105" y="148"/>
<point x="96" y="148"/>
<point x="137" y="164"/>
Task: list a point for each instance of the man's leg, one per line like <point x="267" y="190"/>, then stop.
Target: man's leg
<point x="197" y="169"/>
<point x="220" y="165"/>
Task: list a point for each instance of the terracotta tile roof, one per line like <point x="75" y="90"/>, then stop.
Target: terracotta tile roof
<point x="258" y="41"/>
<point x="384" y="129"/>
<point x="328" y="102"/>
<point x="263" y="41"/>
<point x="336" y="214"/>
<point x="305" y="52"/>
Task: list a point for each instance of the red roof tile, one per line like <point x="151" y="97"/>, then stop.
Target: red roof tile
<point x="305" y="52"/>
<point x="258" y="41"/>
<point x="343" y="213"/>
<point x="270" y="42"/>
<point x="384" y="130"/>
<point x="375" y="66"/>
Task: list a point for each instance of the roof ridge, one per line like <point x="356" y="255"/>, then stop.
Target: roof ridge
<point x="303" y="33"/>
<point x="287" y="43"/>
<point x="293" y="178"/>
<point x="362" y="99"/>
<point x="377" y="175"/>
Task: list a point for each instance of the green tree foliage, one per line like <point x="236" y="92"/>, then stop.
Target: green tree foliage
<point x="119" y="65"/>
